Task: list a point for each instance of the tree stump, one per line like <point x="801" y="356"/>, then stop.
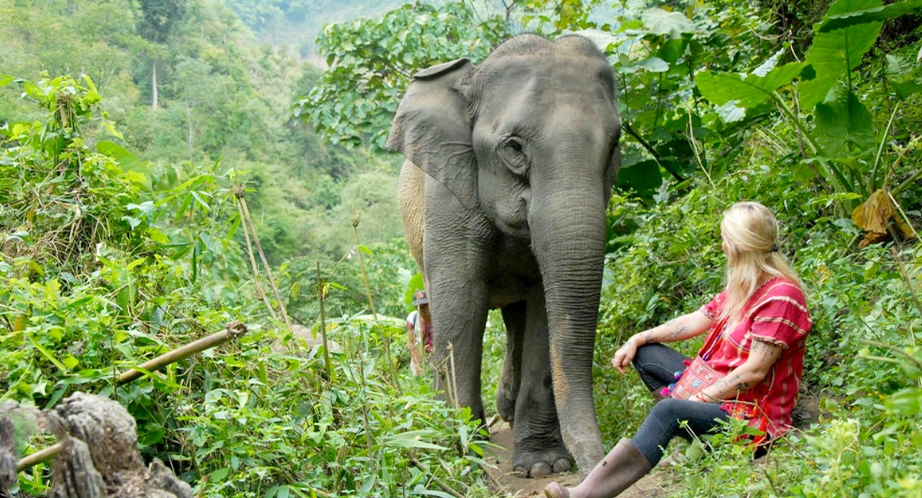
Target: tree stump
<point x="99" y="456"/>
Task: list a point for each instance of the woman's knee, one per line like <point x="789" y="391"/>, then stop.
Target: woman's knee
<point x="645" y="352"/>
<point x="658" y="358"/>
<point x="668" y="409"/>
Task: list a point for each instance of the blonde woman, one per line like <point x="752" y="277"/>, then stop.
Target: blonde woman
<point x="756" y="337"/>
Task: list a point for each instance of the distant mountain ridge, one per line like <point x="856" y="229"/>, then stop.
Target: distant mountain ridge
<point x="297" y="23"/>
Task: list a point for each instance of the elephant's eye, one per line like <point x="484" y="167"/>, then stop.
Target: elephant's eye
<point x="512" y="151"/>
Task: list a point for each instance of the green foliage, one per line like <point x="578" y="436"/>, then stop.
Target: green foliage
<point x="159" y="18"/>
<point x="219" y="96"/>
<point x="852" y="17"/>
<point x="372" y="61"/>
<point x="843" y="139"/>
<point x="353" y="435"/>
<point x="389" y="268"/>
<point x="109" y="260"/>
<point x="836" y="53"/>
<point x="61" y="221"/>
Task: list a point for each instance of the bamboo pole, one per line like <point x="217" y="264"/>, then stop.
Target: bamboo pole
<point x="446" y="488"/>
<point x="323" y="325"/>
<point x="233" y="331"/>
<point x="453" y="385"/>
<point x="355" y="235"/>
<point x="391" y="369"/>
<point x="39" y="457"/>
<point x="253" y="265"/>
<point x="262" y="257"/>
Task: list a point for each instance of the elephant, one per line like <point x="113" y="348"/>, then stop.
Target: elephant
<point x="508" y="170"/>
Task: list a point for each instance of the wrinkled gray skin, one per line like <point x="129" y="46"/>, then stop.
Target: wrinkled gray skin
<point x="519" y="156"/>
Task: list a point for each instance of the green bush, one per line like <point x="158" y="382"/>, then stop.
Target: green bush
<point x="109" y="261"/>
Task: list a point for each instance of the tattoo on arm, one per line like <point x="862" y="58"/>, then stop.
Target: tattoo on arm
<point x="672" y="331"/>
<point x="677" y="331"/>
<point x="763" y="349"/>
<point x="729" y="381"/>
<point x="765" y="353"/>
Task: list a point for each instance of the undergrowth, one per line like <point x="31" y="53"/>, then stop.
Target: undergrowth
<point x="109" y="261"/>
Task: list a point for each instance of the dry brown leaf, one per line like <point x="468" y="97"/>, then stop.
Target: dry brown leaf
<point x="875" y="215"/>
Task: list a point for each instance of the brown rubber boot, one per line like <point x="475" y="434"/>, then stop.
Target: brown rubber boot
<point x="623" y="466"/>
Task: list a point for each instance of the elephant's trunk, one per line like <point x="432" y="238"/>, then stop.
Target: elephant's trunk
<point x="569" y="236"/>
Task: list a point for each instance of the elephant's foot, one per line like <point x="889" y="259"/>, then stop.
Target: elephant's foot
<point x="537" y="464"/>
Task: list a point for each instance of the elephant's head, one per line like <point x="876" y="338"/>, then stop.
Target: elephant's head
<point x="530" y="138"/>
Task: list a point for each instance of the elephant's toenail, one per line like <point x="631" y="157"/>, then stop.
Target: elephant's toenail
<point x="562" y="465"/>
<point x="540" y="470"/>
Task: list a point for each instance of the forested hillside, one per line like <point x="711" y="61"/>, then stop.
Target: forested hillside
<point x="218" y="94"/>
<point x="297" y="23"/>
<point x="171" y="169"/>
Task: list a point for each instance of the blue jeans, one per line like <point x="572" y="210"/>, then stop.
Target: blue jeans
<point x="657" y="365"/>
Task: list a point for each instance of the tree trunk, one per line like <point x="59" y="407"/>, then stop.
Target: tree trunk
<point x="189" y="123"/>
<point x="153" y="85"/>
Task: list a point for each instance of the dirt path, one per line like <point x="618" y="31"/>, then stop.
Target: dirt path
<point x="651" y="486"/>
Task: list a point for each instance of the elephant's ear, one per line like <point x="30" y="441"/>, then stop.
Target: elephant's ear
<point x="432" y="128"/>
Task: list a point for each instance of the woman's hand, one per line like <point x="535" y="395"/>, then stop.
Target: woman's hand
<point x="678" y="329"/>
<point x="624" y="355"/>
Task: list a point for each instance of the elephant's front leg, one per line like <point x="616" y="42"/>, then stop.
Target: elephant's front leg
<point x="457" y="257"/>
<point x="539" y="448"/>
<point x="459" y="315"/>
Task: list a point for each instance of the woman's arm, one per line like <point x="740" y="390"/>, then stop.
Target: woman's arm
<point x="678" y="329"/>
<point x="762" y="356"/>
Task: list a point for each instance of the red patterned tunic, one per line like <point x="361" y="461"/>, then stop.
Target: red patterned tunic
<point x="776" y="313"/>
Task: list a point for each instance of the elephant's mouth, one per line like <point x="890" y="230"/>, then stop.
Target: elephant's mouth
<point x="515" y="228"/>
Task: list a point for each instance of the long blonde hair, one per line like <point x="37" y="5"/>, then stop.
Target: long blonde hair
<point x="750" y="233"/>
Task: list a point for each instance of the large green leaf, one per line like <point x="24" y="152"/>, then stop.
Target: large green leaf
<point x="837" y="52"/>
<point x="412" y="439"/>
<point x="127" y="160"/>
<point x="661" y="22"/>
<point x="748" y="90"/>
<point x="652" y="64"/>
<point x="883" y="13"/>
<point x="843" y="124"/>
<point x="672" y="50"/>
